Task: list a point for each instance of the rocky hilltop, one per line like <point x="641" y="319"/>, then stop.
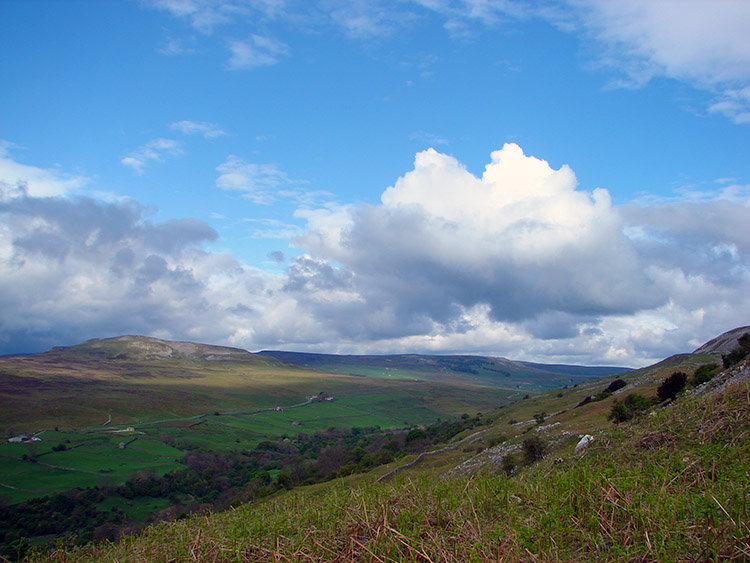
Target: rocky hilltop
<point x="724" y="343"/>
<point x="147" y="348"/>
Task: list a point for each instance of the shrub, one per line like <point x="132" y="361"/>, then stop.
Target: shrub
<point x="586" y="401"/>
<point x="415" y="434"/>
<point x="615" y="385"/>
<point x="637" y="402"/>
<point x="625" y="410"/>
<point x="509" y="464"/>
<point x="671" y="386"/>
<point x="533" y="449"/>
<point x="619" y="412"/>
<point x="703" y="374"/>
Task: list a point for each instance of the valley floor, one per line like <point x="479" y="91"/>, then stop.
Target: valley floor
<point x="671" y="486"/>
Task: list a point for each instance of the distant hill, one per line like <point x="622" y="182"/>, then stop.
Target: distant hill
<point x="137" y="379"/>
<point x="588" y="371"/>
<point x="146" y="348"/>
<point x="486" y="370"/>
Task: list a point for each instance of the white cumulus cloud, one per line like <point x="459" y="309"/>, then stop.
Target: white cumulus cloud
<point x="450" y="259"/>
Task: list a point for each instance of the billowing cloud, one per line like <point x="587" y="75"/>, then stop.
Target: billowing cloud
<point x="518" y="262"/>
<point x="450" y="260"/>
<point x="208" y="130"/>
<point x="499" y="240"/>
<point x="73" y="269"/>
<point x="153" y="151"/>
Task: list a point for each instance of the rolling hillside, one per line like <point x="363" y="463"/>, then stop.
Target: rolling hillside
<point x="483" y="370"/>
<point x="668" y="483"/>
<point x="132" y="380"/>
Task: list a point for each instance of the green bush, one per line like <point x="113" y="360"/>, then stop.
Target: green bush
<point x="671" y="386"/>
<point x="615" y="385"/>
<point x="415" y="434"/>
<point x="533" y="449"/>
<point x="625" y="410"/>
<point x="509" y="464"/>
<point x="703" y="374"/>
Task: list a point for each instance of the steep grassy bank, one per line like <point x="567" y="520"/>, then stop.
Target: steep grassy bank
<point x="672" y="486"/>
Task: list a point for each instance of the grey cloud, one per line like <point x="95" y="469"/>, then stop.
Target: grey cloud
<point x="82" y="268"/>
<point x="277" y="256"/>
<point x="56" y="226"/>
<point x="397" y="255"/>
<point x="555" y="325"/>
<point x="709" y="239"/>
<point x="153" y="268"/>
<point x="174" y="234"/>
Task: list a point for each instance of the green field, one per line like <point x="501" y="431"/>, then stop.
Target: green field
<point x="93" y="457"/>
<point x="107" y="410"/>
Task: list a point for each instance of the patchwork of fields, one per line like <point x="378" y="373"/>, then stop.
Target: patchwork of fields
<point x="109" y="455"/>
<point x="107" y="410"/>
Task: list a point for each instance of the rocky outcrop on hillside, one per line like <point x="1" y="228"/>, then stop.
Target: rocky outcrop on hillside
<point x="724" y="343"/>
<point x="131" y="347"/>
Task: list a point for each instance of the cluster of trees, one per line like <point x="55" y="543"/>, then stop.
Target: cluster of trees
<point x="215" y="480"/>
<point x="224" y="478"/>
<point x="71" y="512"/>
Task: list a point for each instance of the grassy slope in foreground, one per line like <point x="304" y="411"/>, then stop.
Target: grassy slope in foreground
<point x="668" y="487"/>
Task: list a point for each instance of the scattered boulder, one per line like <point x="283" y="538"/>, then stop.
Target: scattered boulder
<point x="583" y="443"/>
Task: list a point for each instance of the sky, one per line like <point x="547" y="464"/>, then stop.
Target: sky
<point x="560" y="181"/>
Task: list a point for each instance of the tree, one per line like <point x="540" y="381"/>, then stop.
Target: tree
<point x="619" y="412"/>
<point x="671" y="386"/>
<point x="533" y="449"/>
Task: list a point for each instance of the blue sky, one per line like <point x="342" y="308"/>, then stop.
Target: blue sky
<point x="556" y="181"/>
